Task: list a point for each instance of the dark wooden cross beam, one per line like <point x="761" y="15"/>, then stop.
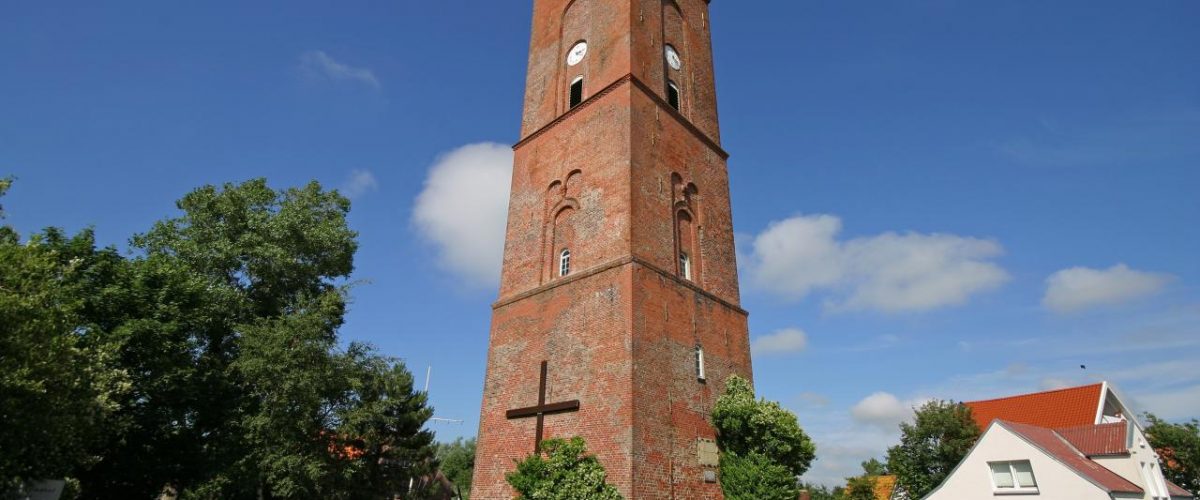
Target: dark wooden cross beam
<point x="542" y="409"/>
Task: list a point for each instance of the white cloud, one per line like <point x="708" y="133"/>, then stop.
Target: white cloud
<point x="784" y="341"/>
<point x="881" y="409"/>
<point x="463" y="210"/>
<point x="317" y="64"/>
<point x="889" y="272"/>
<point x="359" y="183"/>
<point x="1081" y="288"/>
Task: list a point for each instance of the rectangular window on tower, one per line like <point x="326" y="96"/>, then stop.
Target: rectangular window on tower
<point x="577" y="92"/>
<point x="685" y="266"/>
<point x="700" y="375"/>
<point x="673" y="95"/>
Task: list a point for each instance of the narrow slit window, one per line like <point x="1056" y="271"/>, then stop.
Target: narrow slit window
<point x="685" y="266"/>
<point x="564" y="262"/>
<point x="576" y="91"/>
<point x="673" y="95"/>
<point x="700" y="375"/>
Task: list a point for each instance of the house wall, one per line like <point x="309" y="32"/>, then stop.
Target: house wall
<point x="1130" y="466"/>
<point x="972" y="479"/>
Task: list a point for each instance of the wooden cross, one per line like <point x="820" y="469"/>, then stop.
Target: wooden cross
<point x="542" y="409"/>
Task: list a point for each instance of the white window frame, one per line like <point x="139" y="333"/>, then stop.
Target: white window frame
<point x="685" y="265"/>
<point x="700" y="370"/>
<point x="571" y="92"/>
<point x="1017" y="488"/>
<point x="564" y="262"/>
<point x="671" y="85"/>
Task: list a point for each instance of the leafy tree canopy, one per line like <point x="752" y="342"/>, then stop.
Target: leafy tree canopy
<point x="208" y="363"/>
<point x="763" y="448"/>
<point x="755" y="476"/>
<point x="565" y="472"/>
<point x="58" y="383"/>
<point x="1179" y="447"/>
<point x="457" y="462"/>
<point x="931" y="446"/>
<point x="746" y="425"/>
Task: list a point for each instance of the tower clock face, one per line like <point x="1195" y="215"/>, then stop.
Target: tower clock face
<point x="577" y="53"/>
<point x="673" y="58"/>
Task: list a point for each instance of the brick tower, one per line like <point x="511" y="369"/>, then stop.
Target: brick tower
<point x="618" y="318"/>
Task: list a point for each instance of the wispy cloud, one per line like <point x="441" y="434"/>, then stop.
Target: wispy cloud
<point x="359" y="183"/>
<point x="1135" y="137"/>
<point x="463" y="210"/>
<point x="1080" y="288"/>
<point x="788" y="340"/>
<point x="317" y="64"/>
<point x="890" y="272"/>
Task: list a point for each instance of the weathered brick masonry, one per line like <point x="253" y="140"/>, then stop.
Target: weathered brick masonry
<point x="630" y="186"/>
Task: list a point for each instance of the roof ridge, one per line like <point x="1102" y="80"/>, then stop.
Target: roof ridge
<point x="1052" y="391"/>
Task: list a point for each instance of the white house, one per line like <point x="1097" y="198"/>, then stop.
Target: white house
<point x="1071" y="444"/>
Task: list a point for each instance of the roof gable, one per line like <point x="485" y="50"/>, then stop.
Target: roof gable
<point x="1073" y="407"/>
<point x="1059" y="449"/>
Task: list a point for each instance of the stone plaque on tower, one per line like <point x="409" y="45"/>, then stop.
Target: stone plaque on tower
<point x="619" y="264"/>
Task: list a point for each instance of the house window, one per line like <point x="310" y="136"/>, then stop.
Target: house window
<point x="673" y="95"/>
<point x="1015" y="476"/>
<point x="685" y="266"/>
<point x="1153" y="487"/>
<point x="577" y="91"/>
<point x="564" y="262"/>
<point x="700" y="363"/>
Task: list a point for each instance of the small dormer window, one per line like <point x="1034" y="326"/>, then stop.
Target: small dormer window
<point x="577" y="91"/>
<point x="673" y="95"/>
<point x="564" y="262"/>
<point x="685" y="266"/>
<point x="1013" y="477"/>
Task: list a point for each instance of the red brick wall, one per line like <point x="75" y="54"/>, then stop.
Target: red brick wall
<point x="620" y="332"/>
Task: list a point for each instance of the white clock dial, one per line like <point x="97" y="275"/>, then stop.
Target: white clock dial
<point x="673" y="58"/>
<point x="576" y="54"/>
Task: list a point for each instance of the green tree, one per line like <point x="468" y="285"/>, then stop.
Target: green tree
<point x="565" y="472"/>
<point x="457" y="461"/>
<point x="860" y="488"/>
<point x="1179" y="447"/>
<point x="758" y="438"/>
<point x="754" y="476"/>
<point x="58" y="383"/>
<point x="874" y="467"/>
<point x="931" y="446"/>
<point x="820" y="492"/>
<point x="226" y="323"/>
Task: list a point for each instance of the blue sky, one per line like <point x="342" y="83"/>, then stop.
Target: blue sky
<point x="934" y="199"/>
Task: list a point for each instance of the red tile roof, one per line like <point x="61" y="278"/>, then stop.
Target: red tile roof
<point x="1097" y="440"/>
<point x="1177" y="492"/>
<point x="1072" y="407"/>
<point x="1058" y="448"/>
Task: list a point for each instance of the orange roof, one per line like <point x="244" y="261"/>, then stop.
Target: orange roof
<point x="884" y="486"/>
<point x="1073" y="407"/>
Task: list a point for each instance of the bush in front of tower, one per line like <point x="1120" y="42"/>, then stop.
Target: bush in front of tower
<point x="562" y="471"/>
<point x="763" y="448"/>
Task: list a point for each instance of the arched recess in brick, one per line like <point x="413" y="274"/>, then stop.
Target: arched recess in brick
<point x="685" y="208"/>
<point x="562" y="203"/>
<point x="575" y="28"/>
<point x="564" y="237"/>
<point x="675" y="35"/>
